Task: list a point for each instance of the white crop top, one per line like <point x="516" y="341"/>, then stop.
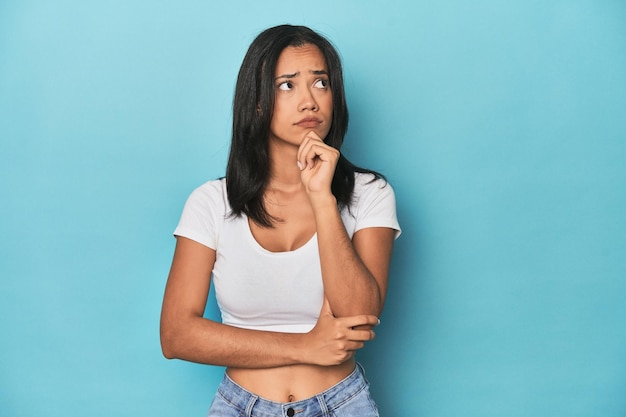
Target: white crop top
<point x="273" y="291"/>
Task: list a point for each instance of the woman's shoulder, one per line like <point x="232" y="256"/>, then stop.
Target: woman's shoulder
<point x="213" y="186"/>
<point x="212" y="192"/>
<point x="203" y="214"/>
<point x="370" y="188"/>
<point x="373" y="204"/>
<point x="364" y="181"/>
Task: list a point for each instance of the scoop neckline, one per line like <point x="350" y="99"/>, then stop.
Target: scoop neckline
<point x="267" y="251"/>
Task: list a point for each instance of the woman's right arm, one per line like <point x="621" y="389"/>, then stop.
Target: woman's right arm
<point x="187" y="335"/>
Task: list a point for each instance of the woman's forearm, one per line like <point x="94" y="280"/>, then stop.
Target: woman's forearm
<point x="350" y="286"/>
<point x="332" y="341"/>
<point x="205" y="341"/>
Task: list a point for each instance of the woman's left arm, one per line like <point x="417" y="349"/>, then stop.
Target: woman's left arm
<point x="355" y="271"/>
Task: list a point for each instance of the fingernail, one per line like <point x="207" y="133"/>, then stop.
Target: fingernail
<point x="378" y="322"/>
<point x="299" y="165"/>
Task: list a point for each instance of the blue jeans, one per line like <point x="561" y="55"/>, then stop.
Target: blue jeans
<point x="348" y="398"/>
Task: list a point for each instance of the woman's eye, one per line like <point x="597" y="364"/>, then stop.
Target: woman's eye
<point x="321" y="83"/>
<point x="285" y="86"/>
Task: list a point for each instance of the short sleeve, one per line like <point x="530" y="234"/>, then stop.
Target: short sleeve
<point x="203" y="214"/>
<point x="374" y="204"/>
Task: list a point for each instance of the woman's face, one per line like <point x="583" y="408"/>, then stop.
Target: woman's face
<point x="304" y="101"/>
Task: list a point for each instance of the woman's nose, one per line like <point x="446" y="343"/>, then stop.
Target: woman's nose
<point x="307" y="102"/>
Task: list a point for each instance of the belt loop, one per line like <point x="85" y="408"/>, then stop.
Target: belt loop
<point x="322" y="402"/>
<point x="251" y="403"/>
<point x="362" y="372"/>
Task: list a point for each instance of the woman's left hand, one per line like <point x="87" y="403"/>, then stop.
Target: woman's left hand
<point x="317" y="162"/>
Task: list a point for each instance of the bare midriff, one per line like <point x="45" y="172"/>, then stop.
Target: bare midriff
<point x="290" y="383"/>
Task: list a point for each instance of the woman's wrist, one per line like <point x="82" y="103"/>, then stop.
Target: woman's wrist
<point x="321" y="201"/>
<point x="300" y="354"/>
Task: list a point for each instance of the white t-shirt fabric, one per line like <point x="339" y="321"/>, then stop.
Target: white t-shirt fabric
<point x="273" y="291"/>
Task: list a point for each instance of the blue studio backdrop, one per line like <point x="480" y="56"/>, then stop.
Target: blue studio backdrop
<point x="501" y="125"/>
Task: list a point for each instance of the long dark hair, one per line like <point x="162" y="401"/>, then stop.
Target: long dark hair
<point x="248" y="167"/>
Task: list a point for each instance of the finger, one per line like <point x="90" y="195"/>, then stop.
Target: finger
<point x="304" y="153"/>
<point x="319" y="153"/>
<point x="311" y="156"/>
<point x="361" y="335"/>
<point x="307" y="142"/>
<point x="354" y="346"/>
<point x="313" y="136"/>
<point x="361" y="320"/>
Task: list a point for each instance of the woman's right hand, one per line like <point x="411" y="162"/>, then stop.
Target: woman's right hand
<point x="335" y="340"/>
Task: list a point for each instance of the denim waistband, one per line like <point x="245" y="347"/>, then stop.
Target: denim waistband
<point x="320" y="404"/>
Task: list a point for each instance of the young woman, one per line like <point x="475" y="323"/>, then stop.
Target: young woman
<point x="298" y="242"/>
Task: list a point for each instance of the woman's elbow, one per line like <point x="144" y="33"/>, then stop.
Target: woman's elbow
<point x="167" y="353"/>
<point x="168" y="345"/>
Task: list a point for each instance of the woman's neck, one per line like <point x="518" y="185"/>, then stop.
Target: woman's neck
<point x="284" y="171"/>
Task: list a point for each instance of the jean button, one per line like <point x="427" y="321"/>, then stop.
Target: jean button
<point x="290" y="412"/>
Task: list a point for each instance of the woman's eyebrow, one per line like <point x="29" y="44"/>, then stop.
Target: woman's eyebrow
<point x="295" y="74"/>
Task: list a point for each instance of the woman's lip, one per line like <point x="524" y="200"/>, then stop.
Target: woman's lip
<point x="309" y="122"/>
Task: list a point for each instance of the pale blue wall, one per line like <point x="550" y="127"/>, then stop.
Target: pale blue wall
<point x="502" y="126"/>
